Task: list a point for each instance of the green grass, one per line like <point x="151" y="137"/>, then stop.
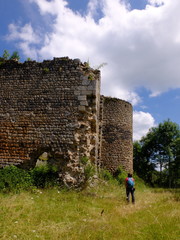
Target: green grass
<point x="70" y="215"/>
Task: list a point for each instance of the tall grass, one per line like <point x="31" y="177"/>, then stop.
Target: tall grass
<point x="98" y="213"/>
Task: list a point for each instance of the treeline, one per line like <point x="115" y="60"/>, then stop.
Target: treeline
<point x="157" y="156"/>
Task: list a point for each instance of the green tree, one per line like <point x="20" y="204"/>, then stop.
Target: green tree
<point x="142" y="166"/>
<point x="160" y="149"/>
<point x="176" y="163"/>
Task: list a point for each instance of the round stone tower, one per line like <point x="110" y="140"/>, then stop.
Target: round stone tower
<point x="116" y="139"/>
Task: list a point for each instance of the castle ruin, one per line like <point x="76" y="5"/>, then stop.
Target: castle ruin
<point x="55" y="109"/>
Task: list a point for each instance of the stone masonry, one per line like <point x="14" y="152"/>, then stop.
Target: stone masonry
<point x="116" y="142"/>
<point x="54" y="108"/>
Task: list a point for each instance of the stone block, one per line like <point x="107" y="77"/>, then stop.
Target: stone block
<point x="83" y="103"/>
<point x="86" y="82"/>
<point x="82" y="108"/>
<point x="82" y="98"/>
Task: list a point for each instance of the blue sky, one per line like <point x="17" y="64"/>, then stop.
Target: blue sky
<point x="138" y="39"/>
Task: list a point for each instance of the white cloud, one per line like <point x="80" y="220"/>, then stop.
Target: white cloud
<point x="155" y="94"/>
<point x="142" y="122"/>
<point x="143" y="107"/>
<point x="25" y="36"/>
<point x="54" y="7"/>
<point x="141" y="47"/>
<point x="157" y="2"/>
<point x="93" y="7"/>
<point x="25" y="33"/>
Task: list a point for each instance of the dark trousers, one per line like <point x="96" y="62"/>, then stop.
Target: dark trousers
<point x="128" y="192"/>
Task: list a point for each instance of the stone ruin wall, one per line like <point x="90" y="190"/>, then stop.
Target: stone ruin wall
<point x="54" y="107"/>
<point x="116" y="128"/>
<point x="49" y="107"/>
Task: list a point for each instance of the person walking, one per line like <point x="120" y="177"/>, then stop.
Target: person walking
<point x="129" y="184"/>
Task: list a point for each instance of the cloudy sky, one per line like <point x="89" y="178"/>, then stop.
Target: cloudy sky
<point x="139" y="40"/>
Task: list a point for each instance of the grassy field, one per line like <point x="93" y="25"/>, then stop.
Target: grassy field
<point x="99" y="213"/>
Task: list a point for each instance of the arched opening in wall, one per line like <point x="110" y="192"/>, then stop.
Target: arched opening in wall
<point x="46" y="156"/>
<point x="40" y="156"/>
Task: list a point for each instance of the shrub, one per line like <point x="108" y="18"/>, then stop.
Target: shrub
<point x="28" y="59"/>
<point x="15" y="56"/>
<point x="44" y="176"/>
<point x="120" y="175"/>
<point x="6" y="55"/>
<point x="89" y="171"/>
<point x="14" y="179"/>
<point x="91" y="77"/>
<point x="45" y="70"/>
<point x="84" y="160"/>
<point x="105" y="174"/>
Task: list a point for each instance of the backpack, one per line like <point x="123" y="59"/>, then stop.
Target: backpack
<point x="130" y="183"/>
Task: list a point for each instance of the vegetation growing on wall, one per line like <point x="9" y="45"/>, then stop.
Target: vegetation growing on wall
<point x="14" y="179"/>
<point x="6" y="56"/>
<point x="45" y="70"/>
